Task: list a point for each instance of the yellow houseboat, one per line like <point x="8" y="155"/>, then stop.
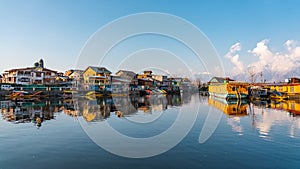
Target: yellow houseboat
<point x="227" y="88"/>
<point x="289" y="89"/>
<point x="232" y="108"/>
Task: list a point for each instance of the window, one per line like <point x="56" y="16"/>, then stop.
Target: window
<point x="38" y="74"/>
<point x="233" y="88"/>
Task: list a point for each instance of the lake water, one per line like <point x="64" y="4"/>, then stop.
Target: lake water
<point x="188" y="131"/>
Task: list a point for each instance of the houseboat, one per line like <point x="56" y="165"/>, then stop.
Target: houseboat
<point x="226" y="88"/>
<point x="292" y="90"/>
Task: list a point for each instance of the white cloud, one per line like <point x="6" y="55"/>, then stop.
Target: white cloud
<point x="234" y="58"/>
<point x="275" y="64"/>
<point x="289" y="44"/>
<point x="277" y="61"/>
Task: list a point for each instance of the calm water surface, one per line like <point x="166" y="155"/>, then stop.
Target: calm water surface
<point x="48" y="134"/>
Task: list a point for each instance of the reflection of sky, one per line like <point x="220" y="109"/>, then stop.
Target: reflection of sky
<point x="271" y="118"/>
<point x="235" y="124"/>
<point x="269" y="123"/>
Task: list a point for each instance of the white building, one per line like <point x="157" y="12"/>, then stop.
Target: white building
<point x="30" y="75"/>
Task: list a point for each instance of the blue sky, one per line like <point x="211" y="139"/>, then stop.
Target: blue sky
<point x="57" y="30"/>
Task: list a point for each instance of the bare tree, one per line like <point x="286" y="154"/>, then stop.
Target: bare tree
<point x="252" y="73"/>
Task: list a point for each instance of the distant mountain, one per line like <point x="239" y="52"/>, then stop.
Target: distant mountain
<point x="268" y="75"/>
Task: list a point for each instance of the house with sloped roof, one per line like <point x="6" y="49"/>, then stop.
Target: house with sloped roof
<point x="31" y="75"/>
<point x="128" y="75"/>
<point x="96" y="76"/>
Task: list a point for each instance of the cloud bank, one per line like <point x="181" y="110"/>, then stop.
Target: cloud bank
<point x="274" y="65"/>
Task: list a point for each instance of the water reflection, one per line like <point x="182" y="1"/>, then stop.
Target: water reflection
<point x="269" y="115"/>
<point x="101" y="108"/>
<point x="261" y="115"/>
<point x="233" y="109"/>
<point x="30" y="112"/>
<point x="92" y="110"/>
<point x="264" y="115"/>
<point x="230" y="108"/>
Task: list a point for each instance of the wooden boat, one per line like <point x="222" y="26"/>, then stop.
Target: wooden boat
<point x="24" y="95"/>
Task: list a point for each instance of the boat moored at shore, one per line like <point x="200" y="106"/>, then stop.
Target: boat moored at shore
<point x="227" y="88"/>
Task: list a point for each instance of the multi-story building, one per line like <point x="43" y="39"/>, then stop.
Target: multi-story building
<point x="149" y="79"/>
<point x="96" y="77"/>
<point x="30" y="75"/>
<point x="128" y="75"/>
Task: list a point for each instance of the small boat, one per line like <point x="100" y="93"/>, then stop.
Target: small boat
<point x="24" y="95"/>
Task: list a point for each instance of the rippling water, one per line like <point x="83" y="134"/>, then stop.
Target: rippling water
<point x="51" y="134"/>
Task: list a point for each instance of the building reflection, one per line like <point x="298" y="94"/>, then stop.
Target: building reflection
<point x="91" y="109"/>
<point x="98" y="109"/>
<point x="268" y="114"/>
<point x="30" y="112"/>
<point x="233" y="109"/>
<point x="230" y="108"/>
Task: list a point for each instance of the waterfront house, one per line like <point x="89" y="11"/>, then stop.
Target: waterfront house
<point x="30" y="75"/>
<point x="145" y="83"/>
<point x="147" y="79"/>
<point x="129" y="75"/>
<point x="119" y="84"/>
<point x="75" y="76"/>
<point x="96" y="77"/>
<point x="146" y="74"/>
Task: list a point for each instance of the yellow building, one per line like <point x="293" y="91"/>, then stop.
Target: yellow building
<point x="96" y="76"/>
<point x="238" y="108"/>
<point x="146" y="74"/>
<point x="227" y="88"/>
